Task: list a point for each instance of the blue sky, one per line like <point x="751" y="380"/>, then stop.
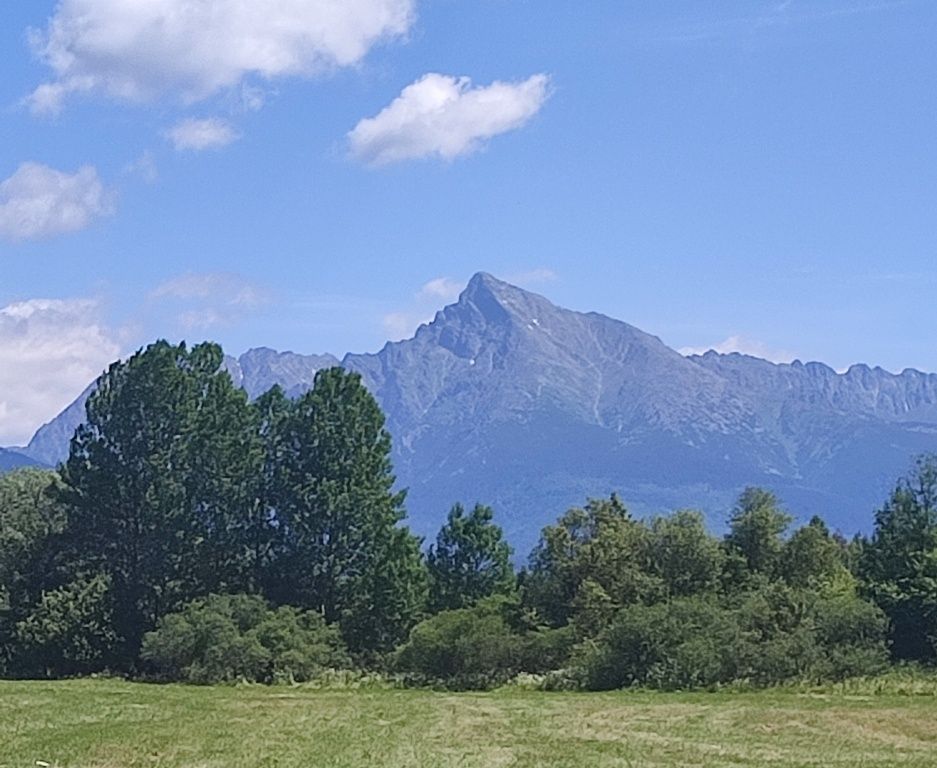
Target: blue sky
<point x="749" y="175"/>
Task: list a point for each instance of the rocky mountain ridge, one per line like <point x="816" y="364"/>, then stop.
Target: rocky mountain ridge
<point x="508" y="399"/>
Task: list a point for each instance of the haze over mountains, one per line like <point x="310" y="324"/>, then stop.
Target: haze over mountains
<point x="507" y="399"/>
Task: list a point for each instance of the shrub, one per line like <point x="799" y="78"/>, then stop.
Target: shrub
<point x="773" y="635"/>
<point x="852" y="634"/>
<point x="68" y="633"/>
<point x="225" y="638"/>
<point x="684" y="643"/>
<point x="481" y="647"/>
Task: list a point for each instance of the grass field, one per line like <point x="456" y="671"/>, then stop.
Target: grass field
<point x="111" y="724"/>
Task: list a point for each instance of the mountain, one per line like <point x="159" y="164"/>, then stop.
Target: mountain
<point x="10" y="460"/>
<point x="508" y="399"/>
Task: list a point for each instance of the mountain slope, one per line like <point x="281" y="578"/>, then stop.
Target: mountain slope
<point x="10" y="460"/>
<point x="507" y="399"/>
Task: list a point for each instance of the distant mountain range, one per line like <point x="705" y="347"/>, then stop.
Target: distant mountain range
<point x="510" y="400"/>
<point x="15" y="460"/>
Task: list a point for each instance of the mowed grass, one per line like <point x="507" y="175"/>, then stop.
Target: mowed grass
<point x="112" y="724"/>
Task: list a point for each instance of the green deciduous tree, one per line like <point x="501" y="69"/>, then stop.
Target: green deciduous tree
<point x="812" y="556"/>
<point x="482" y="646"/>
<point x="684" y="555"/>
<point x="470" y="560"/>
<point x="339" y="548"/>
<point x="30" y="520"/>
<point x="160" y="485"/>
<point x="898" y="565"/>
<point x="592" y="562"/>
<point x="756" y="531"/>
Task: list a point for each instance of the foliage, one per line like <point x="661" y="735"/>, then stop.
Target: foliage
<point x="159" y="485"/>
<point x="30" y="520"/>
<point x="469" y="561"/>
<point x="769" y="636"/>
<point x="756" y="529"/>
<point x="481" y="646"/>
<point x="239" y="637"/>
<point x="592" y="562"/>
<point x="70" y="631"/>
<point x="339" y="550"/>
<point x="684" y="555"/>
<point x="812" y="556"/>
<point x="899" y="564"/>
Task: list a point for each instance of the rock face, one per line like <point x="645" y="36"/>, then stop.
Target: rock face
<point x="507" y="399"/>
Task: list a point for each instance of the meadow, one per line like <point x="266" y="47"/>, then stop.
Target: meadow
<point x="115" y="724"/>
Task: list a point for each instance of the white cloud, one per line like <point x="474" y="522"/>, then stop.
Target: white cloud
<point x="744" y="346"/>
<point x="444" y="288"/>
<point x="426" y="302"/>
<point x="400" y="325"/>
<point x="50" y="350"/>
<point x="209" y="299"/>
<point x="200" y="134"/>
<point x="138" y="51"/>
<point x="445" y="117"/>
<point x="38" y="201"/>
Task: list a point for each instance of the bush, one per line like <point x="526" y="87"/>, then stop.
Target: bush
<point x="773" y="635"/>
<point x="481" y="647"/>
<point x="225" y="638"/>
<point x="68" y="633"/>
<point x="852" y="634"/>
<point x="685" y="643"/>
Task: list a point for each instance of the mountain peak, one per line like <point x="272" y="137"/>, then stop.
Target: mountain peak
<point x="497" y="301"/>
<point x="484" y="284"/>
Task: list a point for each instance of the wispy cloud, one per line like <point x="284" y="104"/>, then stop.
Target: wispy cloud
<point x="745" y="346"/>
<point x="205" y="300"/>
<point x="444" y="288"/>
<point x="38" y="202"/>
<point x="401" y="323"/>
<point x="198" y="134"/>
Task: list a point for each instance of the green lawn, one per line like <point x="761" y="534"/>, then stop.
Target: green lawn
<point x="111" y="724"/>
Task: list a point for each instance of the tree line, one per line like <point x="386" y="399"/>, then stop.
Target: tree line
<point x="193" y="534"/>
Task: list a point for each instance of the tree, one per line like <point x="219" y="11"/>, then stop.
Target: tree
<point x="30" y="520"/>
<point x="756" y="530"/>
<point x="339" y="547"/>
<point x="812" y="556"/>
<point x="591" y="563"/>
<point x="159" y="486"/>
<point x="29" y="517"/>
<point x="898" y="566"/>
<point x="469" y="561"/>
<point x="684" y="555"/>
